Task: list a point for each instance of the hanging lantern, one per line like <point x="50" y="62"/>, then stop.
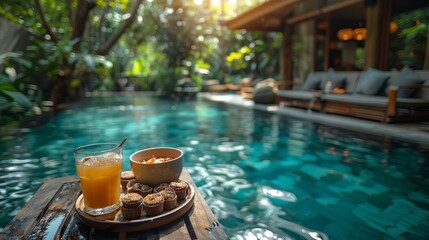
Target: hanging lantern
<point x="345" y="34"/>
<point x="359" y="34"/>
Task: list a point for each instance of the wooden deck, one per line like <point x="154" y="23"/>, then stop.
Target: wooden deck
<point x="50" y="214"/>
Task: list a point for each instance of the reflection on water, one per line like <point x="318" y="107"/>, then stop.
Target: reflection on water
<point x="263" y="175"/>
<point x="48" y="226"/>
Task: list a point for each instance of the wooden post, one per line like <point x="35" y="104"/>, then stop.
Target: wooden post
<point x="286" y="58"/>
<point x="328" y="40"/>
<point x="385" y="34"/>
<point x="391" y="108"/>
<point x="378" y="17"/>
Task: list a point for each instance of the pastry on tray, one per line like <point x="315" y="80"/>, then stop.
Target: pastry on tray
<point x="170" y="198"/>
<point x="161" y="187"/>
<point x="125" y="178"/>
<point x="153" y="204"/>
<point x="181" y="189"/>
<point x="131" y="183"/>
<point x="131" y="206"/>
<point x="141" y="189"/>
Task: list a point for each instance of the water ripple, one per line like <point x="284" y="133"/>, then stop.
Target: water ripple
<point x="279" y="194"/>
<point x="231" y="171"/>
<point x="259" y="234"/>
<point x="263" y="175"/>
<point x="228" y="147"/>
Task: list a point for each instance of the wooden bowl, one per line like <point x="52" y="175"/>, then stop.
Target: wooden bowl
<point x="153" y="174"/>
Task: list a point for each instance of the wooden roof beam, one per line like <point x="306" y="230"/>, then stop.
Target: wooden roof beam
<point x="317" y="12"/>
<point x="259" y="13"/>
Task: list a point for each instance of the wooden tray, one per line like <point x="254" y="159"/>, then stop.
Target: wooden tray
<point x="116" y="223"/>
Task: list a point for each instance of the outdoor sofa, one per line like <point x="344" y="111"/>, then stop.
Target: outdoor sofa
<point x="376" y="95"/>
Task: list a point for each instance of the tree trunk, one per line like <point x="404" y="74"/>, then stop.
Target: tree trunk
<point x="61" y="91"/>
<point x="59" y="94"/>
<point x="45" y="23"/>
<point x="79" y="23"/>
<point x="105" y="48"/>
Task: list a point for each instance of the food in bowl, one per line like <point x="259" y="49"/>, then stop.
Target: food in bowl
<point x="154" y="159"/>
<point x="156" y="173"/>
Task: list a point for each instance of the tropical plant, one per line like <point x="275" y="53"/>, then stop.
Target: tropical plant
<point x="256" y="57"/>
<point x="177" y="39"/>
<point x="411" y="43"/>
<point x="14" y="104"/>
<point x="67" y="31"/>
<point x="170" y="40"/>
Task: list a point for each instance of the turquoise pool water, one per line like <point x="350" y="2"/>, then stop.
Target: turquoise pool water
<point x="264" y="176"/>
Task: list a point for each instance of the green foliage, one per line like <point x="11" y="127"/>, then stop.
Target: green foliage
<point x="410" y="42"/>
<point x="255" y="55"/>
<point x="179" y="39"/>
<point x="98" y="66"/>
<point x="238" y="60"/>
<point x="14" y="104"/>
<point x="25" y="77"/>
<point x="169" y="40"/>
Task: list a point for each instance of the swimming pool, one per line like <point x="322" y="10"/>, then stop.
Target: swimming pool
<point x="262" y="174"/>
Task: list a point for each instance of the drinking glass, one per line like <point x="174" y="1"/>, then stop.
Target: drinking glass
<point x="99" y="168"/>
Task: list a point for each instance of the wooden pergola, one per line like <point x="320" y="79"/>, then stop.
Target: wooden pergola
<point x="278" y="15"/>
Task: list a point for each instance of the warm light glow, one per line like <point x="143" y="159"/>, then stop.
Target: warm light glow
<point x="345" y="34"/>
<point x="393" y="27"/>
<point x="359" y="34"/>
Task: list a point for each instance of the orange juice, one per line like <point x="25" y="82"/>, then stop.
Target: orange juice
<point x="100" y="181"/>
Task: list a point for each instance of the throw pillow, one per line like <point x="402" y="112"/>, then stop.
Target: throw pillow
<point x="371" y="82"/>
<point x="311" y="83"/>
<point x="405" y="77"/>
<point x="332" y="81"/>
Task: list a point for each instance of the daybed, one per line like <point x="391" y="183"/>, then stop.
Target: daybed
<point x="373" y="94"/>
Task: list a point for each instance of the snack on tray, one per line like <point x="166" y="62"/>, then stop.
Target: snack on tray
<point x="131" y="206"/>
<point x="125" y="178"/>
<point x="131" y="183"/>
<point x="170" y="198"/>
<point x="181" y="189"/>
<point x="141" y="189"/>
<point x="161" y="187"/>
<point x="153" y="204"/>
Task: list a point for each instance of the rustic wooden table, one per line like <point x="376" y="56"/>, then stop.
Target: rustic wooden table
<point x="50" y="214"/>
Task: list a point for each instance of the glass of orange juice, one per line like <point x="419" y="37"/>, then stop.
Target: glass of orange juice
<point x="99" y="168"/>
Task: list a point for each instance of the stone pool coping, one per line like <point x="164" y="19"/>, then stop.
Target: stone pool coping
<point x="416" y="132"/>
